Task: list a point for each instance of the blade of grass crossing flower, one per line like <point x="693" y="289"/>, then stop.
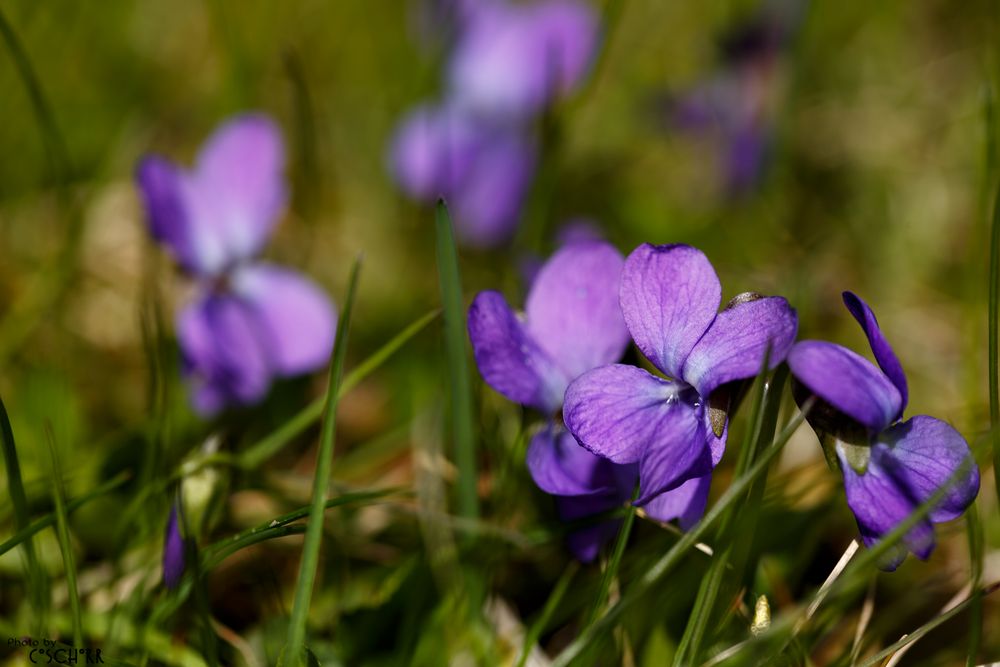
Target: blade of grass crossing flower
<point x="974" y="531"/>
<point x="731" y="542"/>
<point x="458" y="365"/>
<point x="37" y="582"/>
<point x="660" y="568"/>
<point x="555" y="597"/>
<point x="294" y="652"/>
<point x="267" y="447"/>
<point x="611" y="571"/>
<point x="65" y="543"/>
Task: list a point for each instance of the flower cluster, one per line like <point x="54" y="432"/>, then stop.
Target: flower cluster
<point x="475" y="148"/>
<point x="251" y="321"/>
<point x="628" y="431"/>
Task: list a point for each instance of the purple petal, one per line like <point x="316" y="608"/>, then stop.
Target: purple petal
<point x="507" y="357"/>
<point x="511" y="60"/>
<point x="847" y="381"/>
<point x="746" y="155"/>
<point x="678" y="450"/>
<point x="923" y="454"/>
<point x="879" y="505"/>
<point x="572" y="309"/>
<point x="669" y="297"/>
<point x="225" y="360"/>
<point x="619" y="411"/>
<point x="734" y="346"/>
<point x="487" y="202"/>
<point x="237" y="190"/>
<point x="569" y="33"/>
<point x="560" y="466"/>
<point x="884" y="355"/>
<point x="173" y="552"/>
<point x="432" y="150"/>
<point x="295" y="317"/>
<point x="686" y="503"/>
<point x="162" y="186"/>
<point x="585" y="543"/>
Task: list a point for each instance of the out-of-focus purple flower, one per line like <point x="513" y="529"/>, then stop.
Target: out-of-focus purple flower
<point x="890" y="467"/>
<point x="512" y="60"/>
<point x="173" y="551"/>
<point x="735" y="106"/>
<point x="675" y="429"/>
<point x="482" y="169"/>
<point x="251" y="321"/>
<point x="572" y="323"/>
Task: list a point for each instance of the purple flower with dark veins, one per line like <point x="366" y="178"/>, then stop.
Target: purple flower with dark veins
<point x="513" y="59"/>
<point x="251" y="321"/>
<point x="482" y="169"/>
<point x="572" y="323"/>
<point x="675" y="429"/>
<point x="890" y="467"/>
<point x="173" y="551"/>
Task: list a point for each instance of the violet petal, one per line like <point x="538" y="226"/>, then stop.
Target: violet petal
<point x="572" y="309"/>
<point x="734" y="346"/>
<point x="669" y="297"/>
<point x="509" y="359"/>
<point x="686" y="503"/>
<point x="883" y="352"/>
<point x="295" y="317"/>
<point x="847" y="381"/>
<point x="619" y="411"/>
<point x="926" y="453"/>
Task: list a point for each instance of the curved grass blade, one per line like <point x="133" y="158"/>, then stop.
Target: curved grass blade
<point x="267" y="447"/>
<point x="976" y="553"/>
<point x="48" y="520"/>
<point x="538" y="627"/>
<point x="611" y="571"/>
<point x="37" y="582"/>
<point x="458" y="364"/>
<point x="927" y="627"/>
<point x="65" y="544"/>
<point x="994" y="360"/>
<point x="324" y="462"/>
<point x="659" y="569"/>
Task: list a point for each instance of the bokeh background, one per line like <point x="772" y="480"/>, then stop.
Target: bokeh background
<point x="878" y="177"/>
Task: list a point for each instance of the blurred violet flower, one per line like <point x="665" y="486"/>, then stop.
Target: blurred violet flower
<point x="512" y="60"/>
<point x="482" y="170"/>
<point x="251" y="321"/>
<point x="173" y="551"/>
<point x="735" y="106"/>
<point x="890" y="467"/>
<point x="572" y="323"/>
<point x="675" y="429"/>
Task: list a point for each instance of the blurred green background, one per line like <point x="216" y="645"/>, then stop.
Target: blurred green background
<point x="879" y="181"/>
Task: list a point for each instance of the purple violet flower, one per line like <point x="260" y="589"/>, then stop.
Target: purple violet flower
<point x="251" y="321"/>
<point x="572" y="323"/>
<point x="512" y="60"/>
<point x="890" y="467"/>
<point x="482" y="169"/>
<point x="173" y="551"/>
<point x="675" y="429"/>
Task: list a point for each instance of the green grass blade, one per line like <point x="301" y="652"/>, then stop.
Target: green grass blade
<point x="994" y="380"/>
<point x="268" y="446"/>
<point x="927" y="627"/>
<point x="538" y="627"/>
<point x="611" y="571"/>
<point x="48" y="520"/>
<point x="65" y="543"/>
<point x="324" y="462"/>
<point x="661" y="567"/>
<point x="975" y="533"/>
<point x="458" y="364"/>
<point x="37" y="583"/>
